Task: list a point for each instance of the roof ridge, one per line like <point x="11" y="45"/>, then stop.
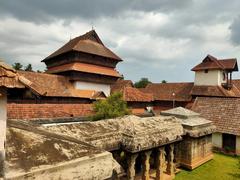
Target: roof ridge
<point x="214" y="59"/>
<point x="91" y="33"/>
<point x="40" y="73"/>
<point x="172" y="83"/>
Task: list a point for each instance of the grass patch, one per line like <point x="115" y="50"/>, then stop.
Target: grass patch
<point x="222" y="167"/>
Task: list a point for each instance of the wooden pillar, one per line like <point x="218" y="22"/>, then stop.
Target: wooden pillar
<point x="160" y="163"/>
<point x="146" y="165"/>
<point x="231" y="78"/>
<point x="3" y="126"/>
<point x="170" y="164"/>
<point x="131" y="166"/>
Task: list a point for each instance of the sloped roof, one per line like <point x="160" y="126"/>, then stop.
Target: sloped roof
<point x="8" y="77"/>
<point x="120" y="85"/>
<point x="224" y="112"/>
<point x="164" y="91"/>
<point x="83" y="67"/>
<point x="53" y="85"/>
<point x="217" y="91"/>
<point x="180" y="111"/>
<point x="88" y="43"/>
<point x="132" y="133"/>
<point x="135" y="95"/>
<point x="30" y="148"/>
<point x="211" y="62"/>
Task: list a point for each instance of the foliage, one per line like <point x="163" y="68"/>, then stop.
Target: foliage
<point x="28" y="68"/>
<point x="221" y="167"/>
<point x="111" y="107"/>
<point x="17" y="66"/>
<point x="164" y="81"/>
<point x="142" y="83"/>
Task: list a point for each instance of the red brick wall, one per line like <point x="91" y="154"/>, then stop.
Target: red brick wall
<point x="35" y="111"/>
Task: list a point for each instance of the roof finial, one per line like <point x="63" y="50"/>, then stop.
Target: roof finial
<point x="70" y="37"/>
<point x="92" y="26"/>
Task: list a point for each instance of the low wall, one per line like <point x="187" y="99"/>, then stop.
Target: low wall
<point x="217" y="140"/>
<point x="99" y="166"/>
<point x="199" y="151"/>
<point x="39" y="111"/>
<point x="238" y="145"/>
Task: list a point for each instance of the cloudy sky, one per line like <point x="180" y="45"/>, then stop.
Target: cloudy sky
<point x="158" y="39"/>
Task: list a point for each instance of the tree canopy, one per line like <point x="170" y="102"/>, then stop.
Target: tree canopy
<point x="28" y="68"/>
<point x="17" y="66"/>
<point x="142" y="83"/>
<point x="111" y="107"/>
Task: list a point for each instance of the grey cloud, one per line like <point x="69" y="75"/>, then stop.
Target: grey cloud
<point x="45" y="11"/>
<point x="125" y="26"/>
<point x="235" y="31"/>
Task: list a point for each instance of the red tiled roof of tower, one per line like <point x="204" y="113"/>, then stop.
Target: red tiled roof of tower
<point x="164" y="91"/>
<point x="88" y="43"/>
<point x="135" y="95"/>
<point x="212" y="109"/>
<point x="211" y="62"/>
<point x="83" y="67"/>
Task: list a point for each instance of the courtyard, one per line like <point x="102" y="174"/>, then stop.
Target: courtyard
<point x="221" y="167"/>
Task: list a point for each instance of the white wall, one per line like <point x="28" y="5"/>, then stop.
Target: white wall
<point x="213" y="77"/>
<point x="92" y="86"/>
<point x="3" y="123"/>
<point x="217" y="140"/>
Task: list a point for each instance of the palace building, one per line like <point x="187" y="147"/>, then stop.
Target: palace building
<point x="214" y="94"/>
<point x="42" y="116"/>
<point x="87" y="62"/>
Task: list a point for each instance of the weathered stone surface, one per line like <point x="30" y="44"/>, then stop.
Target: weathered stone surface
<point x="132" y="133"/>
<point x="192" y="152"/>
<point x="196" y="147"/>
<point x="160" y="163"/>
<point x="170" y="164"/>
<point x="146" y="165"/>
<point x="131" y="166"/>
<point x="193" y="124"/>
<point x="98" y="166"/>
<point x="30" y="154"/>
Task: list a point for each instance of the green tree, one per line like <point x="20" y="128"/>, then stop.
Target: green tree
<point x="111" y="107"/>
<point x="142" y="83"/>
<point x="164" y="81"/>
<point x="17" y="66"/>
<point x="28" y="68"/>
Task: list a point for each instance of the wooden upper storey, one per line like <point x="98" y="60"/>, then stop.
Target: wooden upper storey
<point x="87" y="48"/>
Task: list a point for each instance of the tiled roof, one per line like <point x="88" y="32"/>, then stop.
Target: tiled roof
<point x="135" y="95"/>
<point x="83" y="67"/>
<point x="224" y="112"/>
<point x="46" y="111"/>
<point x="120" y="85"/>
<point x="53" y="85"/>
<point x="88" y="43"/>
<point x="164" y="91"/>
<point x="211" y="62"/>
<point x="217" y="91"/>
<point x="8" y="77"/>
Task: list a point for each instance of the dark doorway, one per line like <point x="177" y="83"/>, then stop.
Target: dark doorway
<point x="229" y="142"/>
